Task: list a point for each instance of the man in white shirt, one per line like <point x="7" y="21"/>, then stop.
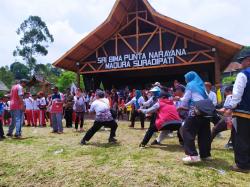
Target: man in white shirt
<point x="240" y="103"/>
<point x="104" y="118"/>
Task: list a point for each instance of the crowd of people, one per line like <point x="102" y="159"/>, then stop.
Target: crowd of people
<point x="188" y="109"/>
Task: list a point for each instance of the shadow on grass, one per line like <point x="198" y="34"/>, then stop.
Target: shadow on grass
<point x="168" y="147"/>
<point x="104" y="145"/>
<point x="216" y="163"/>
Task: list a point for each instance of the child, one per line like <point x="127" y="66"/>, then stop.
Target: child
<point x="79" y="108"/>
<point x="35" y="110"/>
<point x="1" y="119"/>
<point x="29" y="109"/>
<point x="7" y="116"/>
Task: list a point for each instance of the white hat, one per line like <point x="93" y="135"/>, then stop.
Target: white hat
<point x="157" y="84"/>
<point x="155" y="89"/>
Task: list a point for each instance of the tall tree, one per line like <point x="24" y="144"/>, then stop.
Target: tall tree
<point x="35" y="37"/>
<point x="6" y="76"/>
<point x="19" y="70"/>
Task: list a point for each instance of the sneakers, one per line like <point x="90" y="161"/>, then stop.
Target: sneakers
<point x="237" y="169"/>
<point x="191" y="159"/>
<point x="155" y="142"/>
<point x="83" y="142"/>
<point x="229" y="146"/>
<point x="142" y="146"/>
<point x="9" y="135"/>
<point x="112" y="140"/>
<point x="18" y="136"/>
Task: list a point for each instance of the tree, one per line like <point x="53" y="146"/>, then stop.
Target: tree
<point x="35" y="37"/>
<point x="6" y="76"/>
<point x="65" y="80"/>
<point x="19" y="70"/>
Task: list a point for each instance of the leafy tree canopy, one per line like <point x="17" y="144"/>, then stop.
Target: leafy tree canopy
<point x="6" y="76"/>
<point x="19" y="70"/>
<point x="35" y="37"/>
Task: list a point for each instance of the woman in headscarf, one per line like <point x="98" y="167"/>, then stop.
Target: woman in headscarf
<point x="195" y="124"/>
<point x="137" y="101"/>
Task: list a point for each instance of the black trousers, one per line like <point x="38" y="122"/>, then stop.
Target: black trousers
<point x="194" y="126"/>
<point x="1" y="129"/>
<point x="242" y="143"/>
<point x="79" y="118"/>
<point x="220" y="127"/>
<point x="152" y="129"/>
<point x="97" y="125"/>
<point x="68" y="117"/>
<point x="133" y="117"/>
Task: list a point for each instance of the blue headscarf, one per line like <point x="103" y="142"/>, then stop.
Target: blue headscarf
<point x="137" y="96"/>
<point x="195" y="84"/>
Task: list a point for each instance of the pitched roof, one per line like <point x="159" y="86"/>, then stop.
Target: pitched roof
<point x="3" y="87"/>
<point x="234" y="66"/>
<point x="106" y="30"/>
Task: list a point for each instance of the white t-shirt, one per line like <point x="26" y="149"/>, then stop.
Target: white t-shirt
<point x="42" y="101"/>
<point x="80" y="101"/>
<point x="28" y="103"/>
<point x="36" y="104"/>
<point x="213" y="97"/>
<point x="102" y="109"/>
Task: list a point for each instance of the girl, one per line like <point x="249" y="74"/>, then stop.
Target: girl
<point x="79" y="108"/>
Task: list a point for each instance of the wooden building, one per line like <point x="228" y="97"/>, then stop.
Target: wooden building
<point x="136" y="46"/>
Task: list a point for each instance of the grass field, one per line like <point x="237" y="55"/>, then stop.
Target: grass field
<point x="45" y="159"/>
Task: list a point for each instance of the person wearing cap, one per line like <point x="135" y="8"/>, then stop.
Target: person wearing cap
<point x="167" y="118"/>
<point x="137" y="101"/>
<point x="56" y="110"/>
<point x="240" y="107"/>
<point x="17" y="108"/>
<point x="101" y="107"/>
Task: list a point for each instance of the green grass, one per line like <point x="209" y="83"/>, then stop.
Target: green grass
<point x="33" y="162"/>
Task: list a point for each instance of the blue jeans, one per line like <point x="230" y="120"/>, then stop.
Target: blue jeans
<point x="17" y="117"/>
<point x="57" y="122"/>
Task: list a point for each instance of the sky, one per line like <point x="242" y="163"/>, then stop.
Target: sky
<point x="71" y="20"/>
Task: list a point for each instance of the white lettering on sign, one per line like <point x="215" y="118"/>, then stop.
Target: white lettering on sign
<point x="156" y="58"/>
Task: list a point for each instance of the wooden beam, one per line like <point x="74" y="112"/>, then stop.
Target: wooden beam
<point x="175" y="41"/>
<point x="129" y="46"/>
<point x="116" y="45"/>
<point x="151" y="67"/>
<point x="194" y="57"/>
<point x="182" y="60"/>
<point x="104" y="50"/>
<point x="150" y="38"/>
<point x="137" y="34"/>
<point x="160" y="38"/>
<point x="217" y="69"/>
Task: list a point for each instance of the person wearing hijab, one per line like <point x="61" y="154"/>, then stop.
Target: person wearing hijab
<point x="195" y="125"/>
<point x="137" y="101"/>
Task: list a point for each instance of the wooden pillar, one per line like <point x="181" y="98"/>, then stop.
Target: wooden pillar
<point x="78" y="76"/>
<point x="217" y="68"/>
